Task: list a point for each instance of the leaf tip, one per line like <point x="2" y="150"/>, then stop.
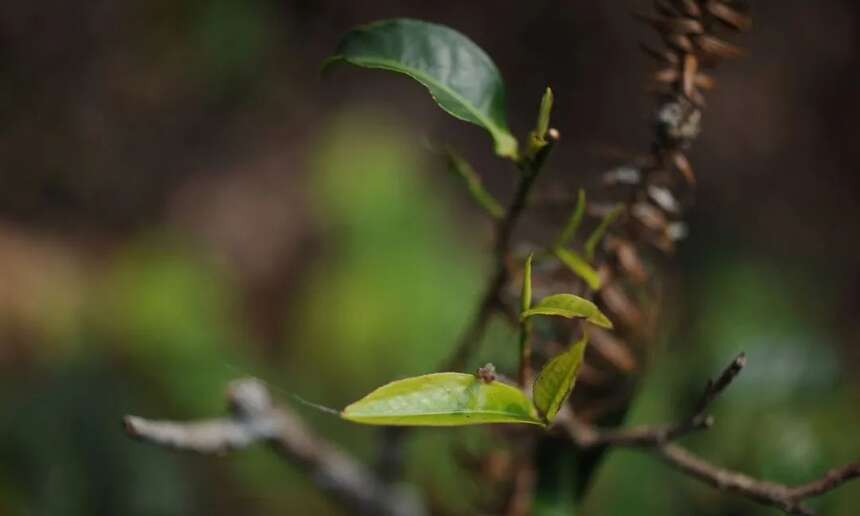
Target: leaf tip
<point x="601" y="320"/>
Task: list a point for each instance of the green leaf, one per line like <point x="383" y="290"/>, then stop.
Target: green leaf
<point x="556" y="380"/>
<point x="569" y="306"/>
<point x="573" y="222"/>
<point x="526" y="295"/>
<point x="600" y="230"/>
<point x="537" y="138"/>
<point x="544" y="113"/>
<point x="460" y="76"/>
<point x="485" y="199"/>
<point x="443" y="399"/>
<point x="579" y="266"/>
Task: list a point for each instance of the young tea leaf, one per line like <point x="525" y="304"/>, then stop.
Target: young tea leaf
<point x="544" y="113"/>
<point x="573" y="222"/>
<point x="600" y="230"/>
<point x="579" y="266"/>
<point x="537" y="139"/>
<point x="443" y="399"/>
<point x="460" y="76"/>
<point x="485" y="199"/>
<point x="556" y="380"/>
<point x="569" y="306"/>
<point x="526" y="295"/>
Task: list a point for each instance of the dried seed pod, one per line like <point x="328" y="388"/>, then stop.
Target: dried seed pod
<point x="683" y="165"/>
<point x="716" y="48"/>
<point x="676" y="25"/>
<point x="612" y="349"/>
<point x="649" y="216"/>
<point x="628" y="259"/>
<point x="728" y="15"/>
<point x="691" y="68"/>
<point x="688" y="29"/>
<point x="620" y="304"/>
<point x="664" y="198"/>
<point x="690" y="8"/>
<point x="665" y="56"/>
<point x="677" y="231"/>
<point x="679" y="42"/>
<point x="672" y="75"/>
<point x="679" y="120"/>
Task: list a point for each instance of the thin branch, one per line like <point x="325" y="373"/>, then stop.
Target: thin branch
<point x="491" y="301"/>
<point x="788" y="498"/>
<point x="657" y="439"/>
<point x="253" y="418"/>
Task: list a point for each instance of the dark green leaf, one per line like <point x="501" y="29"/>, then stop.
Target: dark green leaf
<point x="443" y="399"/>
<point x="556" y="380"/>
<point x="460" y="76"/>
<point x="569" y="306"/>
<point x="579" y="266"/>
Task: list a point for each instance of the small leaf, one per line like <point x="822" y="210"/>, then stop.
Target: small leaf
<point x="573" y="222"/>
<point x="537" y="138"/>
<point x="579" y="266"/>
<point x="600" y="230"/>
<point x="569" y="306"/>
<point x="555" y="382"/>
<point x="526" y="295"/>
<point x="544" y="114"/>
<point x="460" y="76"/>
<point x="443" y="399"/>
<point x="485" y="199"/>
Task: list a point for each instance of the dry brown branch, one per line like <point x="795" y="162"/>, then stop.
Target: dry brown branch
<point x="253" y="418"/>
<point x="658" y="439"/>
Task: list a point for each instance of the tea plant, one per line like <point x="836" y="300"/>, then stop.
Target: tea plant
<point x="603" y="269"/>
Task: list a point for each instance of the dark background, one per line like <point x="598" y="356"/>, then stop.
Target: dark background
<point x="183" y="200"/>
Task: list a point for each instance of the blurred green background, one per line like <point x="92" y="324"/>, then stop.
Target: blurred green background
<point x="183" y="201"/>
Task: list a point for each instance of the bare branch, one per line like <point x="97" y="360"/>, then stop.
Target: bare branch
<point x="657" y="439"/>
<point x="253" y="418"/>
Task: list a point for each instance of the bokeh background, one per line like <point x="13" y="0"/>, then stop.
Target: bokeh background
<point x="183" y="200"/>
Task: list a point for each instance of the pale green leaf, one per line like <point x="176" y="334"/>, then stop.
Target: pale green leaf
<point x="443" y="399"/>
<point x="573" y="222"/>
<point x="526" y="295"/>
<point x="544" y="114"/>
<point x="569" y="306"/>
<point x="460" y="76"/>
<point x="579" y="266"/>
<point x="600" y="230"/>
<point x="556" y="380"/>
<point x="538" y="137"/>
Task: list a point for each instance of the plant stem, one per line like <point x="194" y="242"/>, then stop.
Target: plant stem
<point x="491" y="300"/>
<point x="525" y="371"/>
